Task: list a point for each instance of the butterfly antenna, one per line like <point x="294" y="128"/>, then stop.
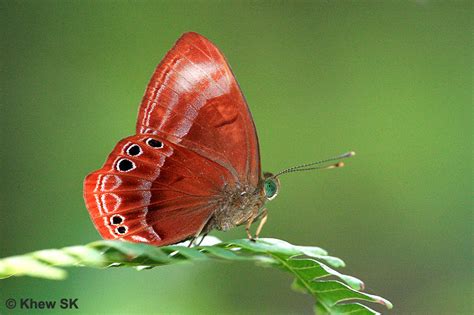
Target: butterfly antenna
<point x="316" y="165"/>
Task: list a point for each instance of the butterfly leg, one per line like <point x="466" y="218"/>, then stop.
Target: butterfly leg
<point x="247" y="228"/>
<point x="194" y="238"/>
<point x="202" y="239"/>
<point x="264" y="215"/>
<point x="191" y="241"/>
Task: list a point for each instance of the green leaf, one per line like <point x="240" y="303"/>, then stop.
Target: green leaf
<point x="29" y="266"/>
<point x="311" y="267"/>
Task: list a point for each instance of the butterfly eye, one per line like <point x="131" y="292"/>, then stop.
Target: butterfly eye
<point x="134" y="150"/>
<point x="154" y="143"/>
<point x="116" y="219"/>
<point x="271" y="189"/>
<point x="125" y="165"/>
<point x="121" y="230"/>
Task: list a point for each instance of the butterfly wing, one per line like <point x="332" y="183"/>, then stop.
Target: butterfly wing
<point x="195" y="136"/>
<point x="194" y="100"/>
<point x="149" y="191"/>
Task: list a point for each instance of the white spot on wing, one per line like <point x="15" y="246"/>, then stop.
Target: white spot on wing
<point x="104" y="200"/>
<point x="139" y="239"/>
<point x="99" y="205"/>
<point x="107" y="225"/>
<point x="98" y="181"/>
<point x="113" y="180"/>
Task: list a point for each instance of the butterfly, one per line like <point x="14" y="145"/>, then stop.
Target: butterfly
<point x="194" y="163"/>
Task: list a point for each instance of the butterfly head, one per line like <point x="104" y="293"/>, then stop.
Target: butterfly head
<point x="271" y="186"/>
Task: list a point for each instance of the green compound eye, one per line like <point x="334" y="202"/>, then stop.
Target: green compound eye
<point x="271" y="189"/>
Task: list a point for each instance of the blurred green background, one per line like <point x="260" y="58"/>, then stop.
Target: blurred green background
<point x="391" y="80"/>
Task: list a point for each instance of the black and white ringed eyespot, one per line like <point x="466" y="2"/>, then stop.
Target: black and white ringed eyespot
<point x="125" y="165"/>
<point x="154" y="143"/>
<point x="116" y="219"/>
<point x="121" y="230"/>
<point x="134" y="150"/>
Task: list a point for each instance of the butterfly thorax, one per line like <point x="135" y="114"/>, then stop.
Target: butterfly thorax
<point x="235" y="206"/>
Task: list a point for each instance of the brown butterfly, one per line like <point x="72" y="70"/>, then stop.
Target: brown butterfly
<point x="193" y="164"/>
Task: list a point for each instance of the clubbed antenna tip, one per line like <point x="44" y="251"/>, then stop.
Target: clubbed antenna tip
<point x="315" y="165"/>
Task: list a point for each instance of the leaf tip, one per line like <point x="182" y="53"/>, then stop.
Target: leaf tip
<point x="386" y="303"/>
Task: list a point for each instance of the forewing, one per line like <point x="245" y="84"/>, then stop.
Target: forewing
<point x="193" y="100"/>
